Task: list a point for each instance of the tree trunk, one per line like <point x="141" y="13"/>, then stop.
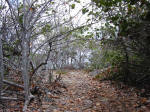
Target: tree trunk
<point x="25" y="66"/>
<point x="126" y="67"/>
<point x="1" y="67"/>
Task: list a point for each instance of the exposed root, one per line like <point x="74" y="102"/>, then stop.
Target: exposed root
<point x="27" y="102"/>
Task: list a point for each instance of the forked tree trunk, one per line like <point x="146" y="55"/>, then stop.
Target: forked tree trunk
<point x="25" y="70"/>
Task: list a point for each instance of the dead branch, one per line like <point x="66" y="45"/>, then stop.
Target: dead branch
<point x="58" y="78"/>
<point x="8" y="98"/>
<point x="13" y="84"/>
<point x="45" y="62"/>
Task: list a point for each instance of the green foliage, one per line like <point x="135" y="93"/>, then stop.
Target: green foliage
<point x="108" y="3"/>
<point x="21" y="19"/>
<point x="73" y="6"/>
<point x="114" y="57"/>
<point x="122" y="18"/>
<point x="20" y="8"/>
<point x="107" y="58"/>
<point x="46" y="28"/>
<point x="84" y="10"/>
<point x="2" y="7"/>
<point x="91" y="44"/>
<point x="99" y="77"/>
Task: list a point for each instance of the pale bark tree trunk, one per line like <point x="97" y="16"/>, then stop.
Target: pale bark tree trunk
<point x="25" y="67"/>
<point x="25" y="55"/>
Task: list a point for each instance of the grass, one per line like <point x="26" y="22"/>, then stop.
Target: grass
<point x="61" y="71"/>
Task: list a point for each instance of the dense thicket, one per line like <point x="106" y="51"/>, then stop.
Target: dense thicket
<point x="125" y="42"/>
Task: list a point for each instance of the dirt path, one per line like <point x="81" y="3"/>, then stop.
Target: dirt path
<point x="83" y="94"/>
<point x="76" y="99"/>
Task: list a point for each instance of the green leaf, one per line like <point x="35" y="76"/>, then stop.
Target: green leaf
<point x="90" y="13"/>
<point x="73" y="6"/>
<point x="52" y="2"/>
<point x="21" y="19"/>
<point x="84" y="10"/>
<point x="2" y="7"/>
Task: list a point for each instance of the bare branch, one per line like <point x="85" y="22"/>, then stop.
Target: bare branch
<point x="13" y="84"/>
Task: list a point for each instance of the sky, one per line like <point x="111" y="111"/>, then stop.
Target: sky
<point x="78" y="6"/>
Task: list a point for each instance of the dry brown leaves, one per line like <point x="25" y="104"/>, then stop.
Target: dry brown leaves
<point x="83" y="94"/>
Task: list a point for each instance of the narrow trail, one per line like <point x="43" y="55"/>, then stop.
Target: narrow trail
<point x="76" y="98"/>
<point x="83" y="94"/>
